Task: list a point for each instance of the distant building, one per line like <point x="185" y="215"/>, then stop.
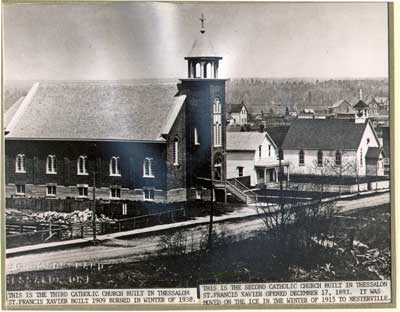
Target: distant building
<point x="252" y="154"/>
<point x="341" y="107"/>
<point x="379" y="106"/>
<point x="323" y="146"/>
<point x="238" y="114"/>
<point x="384" y="138"/>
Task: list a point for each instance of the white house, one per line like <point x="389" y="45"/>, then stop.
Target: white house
<point x="238" y="114"/>
<point x="252" y="154"/>
<point x="328" y="146"/>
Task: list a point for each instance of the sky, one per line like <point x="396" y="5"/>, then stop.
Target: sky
<point x="150" y="40"/>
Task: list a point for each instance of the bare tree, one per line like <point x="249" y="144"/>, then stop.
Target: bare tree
<point x="298" y="224"/>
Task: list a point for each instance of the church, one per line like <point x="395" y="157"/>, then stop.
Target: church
<point x="160" y="142"/>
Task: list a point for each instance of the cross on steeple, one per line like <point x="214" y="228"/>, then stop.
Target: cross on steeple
<point x="202" y="19"/>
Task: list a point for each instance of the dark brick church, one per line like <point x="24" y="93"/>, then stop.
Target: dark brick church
<point x="161" y="142"/>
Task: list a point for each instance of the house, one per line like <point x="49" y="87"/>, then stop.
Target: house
<point x="238" y="114"/>
<point x="252" y="154"/>
<point x="139" y="142"/>
<point x="379" y="106"/>
<point x="341" y="107"/>
<point x="327" y="146"/>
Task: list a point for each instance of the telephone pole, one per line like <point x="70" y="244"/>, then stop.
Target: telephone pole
<point x="93" y="157"/>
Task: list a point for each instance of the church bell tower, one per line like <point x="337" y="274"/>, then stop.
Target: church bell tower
<point x="205" y="113"/>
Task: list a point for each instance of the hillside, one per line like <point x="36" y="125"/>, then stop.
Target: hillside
<point x="277" y="94"/>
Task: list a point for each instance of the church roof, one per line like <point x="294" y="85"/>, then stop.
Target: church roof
<point x="9" y="114"/>
<point x="278" y="134"/>
<point x="95" y="111"/>
<point x="325" y="134"/>
<point x="202" y="47"/>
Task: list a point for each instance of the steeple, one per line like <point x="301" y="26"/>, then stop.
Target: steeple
<point x="202" y="60"/>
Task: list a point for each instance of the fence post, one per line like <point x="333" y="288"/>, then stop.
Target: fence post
<point x="21" y="228"/>
<point x="82" y="231"/>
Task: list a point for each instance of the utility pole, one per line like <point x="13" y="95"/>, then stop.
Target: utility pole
<point x="210" y="228"/>
<point x="93" y="157"/>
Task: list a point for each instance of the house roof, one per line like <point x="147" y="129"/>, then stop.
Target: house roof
<point x="244" y="141"/>
<point x="202" y="47"/>
<point x="95" y="111"/>
<point x="236" y="108"/>
<point x="361" y="104"/>
<point x="374" y="152"/>
<point x="339" y="103"/>
<point x="328" y="134"/>
<point x="380" y="99"/>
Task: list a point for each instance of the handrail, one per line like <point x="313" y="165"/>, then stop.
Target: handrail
<point x="236" y="188"/>
<point x="244" y="186"/>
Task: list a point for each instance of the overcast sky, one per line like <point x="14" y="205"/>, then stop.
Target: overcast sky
<point x="149" y="40"/>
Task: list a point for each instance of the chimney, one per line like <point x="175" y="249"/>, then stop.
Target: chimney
<point x="360" y="94"/>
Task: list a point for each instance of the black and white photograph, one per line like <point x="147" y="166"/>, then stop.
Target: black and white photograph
<point x="198" y="153"/>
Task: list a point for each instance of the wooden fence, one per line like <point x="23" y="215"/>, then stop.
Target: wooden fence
<point x="30" y="233"/>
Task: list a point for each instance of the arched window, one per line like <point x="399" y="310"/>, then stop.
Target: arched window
<point x="338" y="158"/>
<point x="217" y="124"/>
<point x="196" y="137"/>
<point x="218" y="168"/>
<point x="81" y="166"/>
<point x="259" y="151"/>
<point x="320" y="158"/>
<point x="197" y="70"/>
<point x="20" y="163"/>
<point x="217" y="106"/>
<point x="114" y="166"/>
<point x="208" y="71"/>
<point x="148" y="168"/>
<point x="175" y="151"/>
<point x="301" y="158"/>
<point x="51" y="164"/>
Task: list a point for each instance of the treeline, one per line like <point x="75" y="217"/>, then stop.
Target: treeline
<point x="264" y="94"/>
<point x="274" y="95"/>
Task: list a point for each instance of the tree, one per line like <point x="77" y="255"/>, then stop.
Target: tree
<point x="297" y="226"/>
<point x="339" y="167"/>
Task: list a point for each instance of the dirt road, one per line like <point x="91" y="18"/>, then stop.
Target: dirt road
<point x="133" y="249"/>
